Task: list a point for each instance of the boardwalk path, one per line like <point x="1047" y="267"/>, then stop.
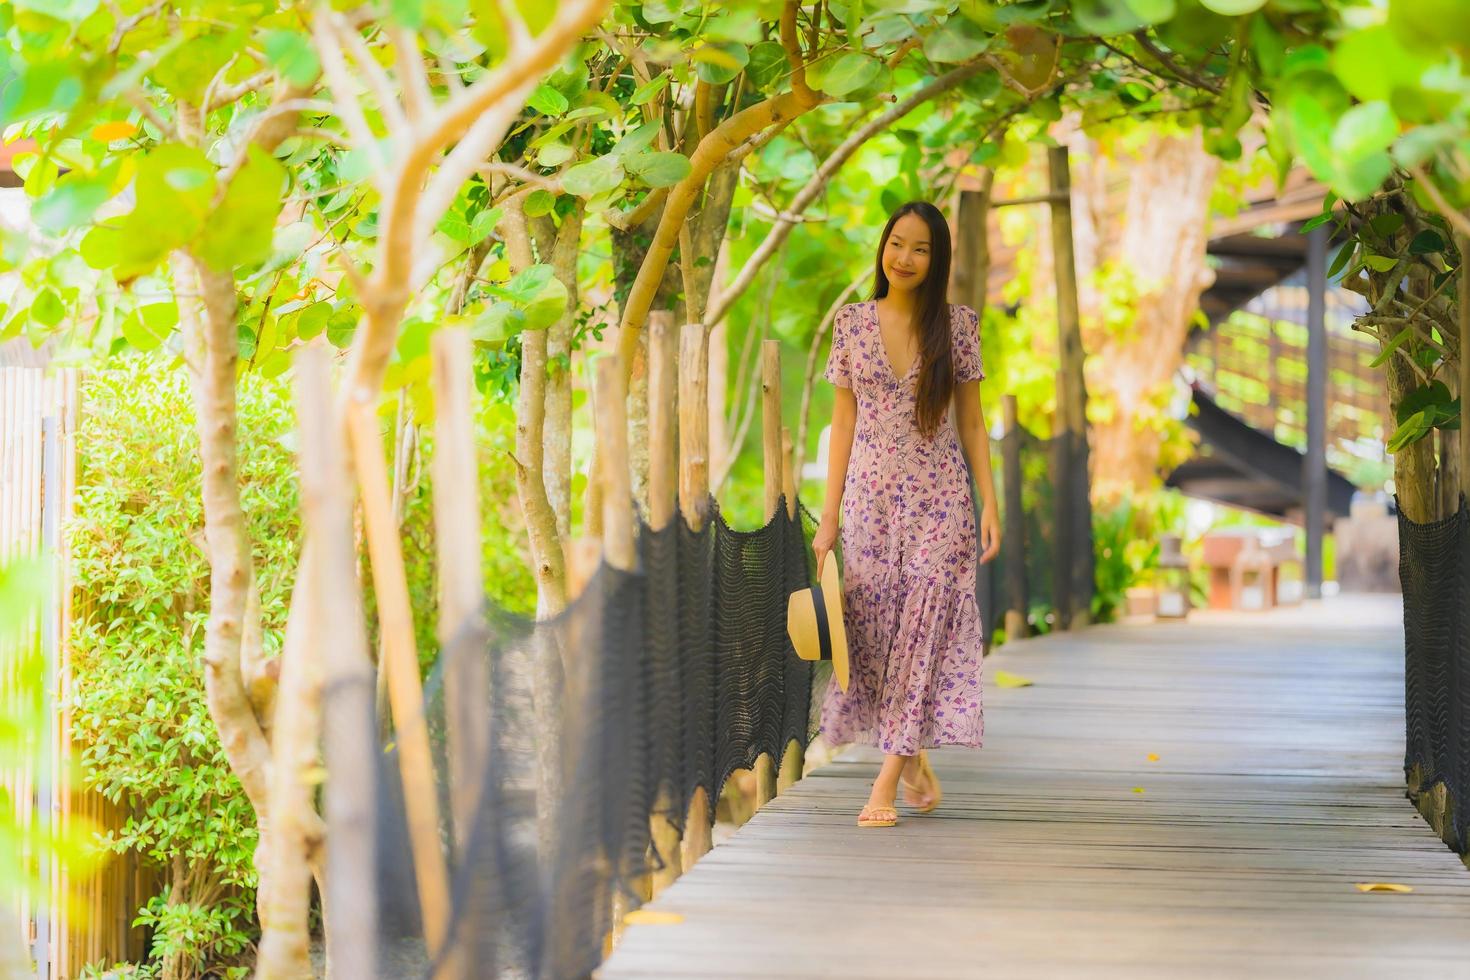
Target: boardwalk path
<point x="1279" y="784"/>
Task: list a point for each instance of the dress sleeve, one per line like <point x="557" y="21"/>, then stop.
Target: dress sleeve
<point x="965" y="345"/>
<point x="839" y="358"/>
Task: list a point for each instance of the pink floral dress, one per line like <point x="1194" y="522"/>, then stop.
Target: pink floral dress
<point x="909" y="554"/>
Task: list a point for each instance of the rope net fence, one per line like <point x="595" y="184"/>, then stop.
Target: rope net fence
<point x="1433" y="564"/>
<point x="652" y="684"/>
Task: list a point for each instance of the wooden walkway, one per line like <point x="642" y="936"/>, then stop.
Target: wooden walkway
<point x="1278" y="786"/>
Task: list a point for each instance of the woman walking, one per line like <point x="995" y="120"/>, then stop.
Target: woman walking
<point x="897" y="477"/>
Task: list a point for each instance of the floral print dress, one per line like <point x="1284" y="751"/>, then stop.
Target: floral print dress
<point x="909" y="554"/>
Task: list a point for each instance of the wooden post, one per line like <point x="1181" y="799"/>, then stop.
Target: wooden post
<point x="349" y="710"/>
<point x="663" y="366"/>
<point x="694" y="505"/>
<point x="609" y="403"/>
<point x="461" y="583"/>
<point x="1462" y="243"/>
<point x="1314" y="474"/>
<point x="1018" y="603"/>
<point x="765" y="766"/>
<point x="401" y="665"/>
<point x="792" y="757"/>
<point x="1074" y="511"/>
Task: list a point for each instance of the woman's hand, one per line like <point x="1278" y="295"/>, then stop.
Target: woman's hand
<point x="989" y="534"/>
<point x="824" y="540"/>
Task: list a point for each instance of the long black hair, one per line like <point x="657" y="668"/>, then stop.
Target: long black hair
<point x="931" y="315"/>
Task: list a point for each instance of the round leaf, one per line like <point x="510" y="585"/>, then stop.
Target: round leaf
<point x="661" y="169"/>
<point x="1106" y="16"/>
<point x="849" y="73"/>
<point x="768" y="64"/>
<point x="548" y="101"/>
<point x="717" y="64"/>
<point x="957" y="39"/>
<point x="1233" y="8"/>
<point x="593" y="177"/>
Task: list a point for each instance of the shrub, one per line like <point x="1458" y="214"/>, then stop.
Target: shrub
<point x="140" y="720"/>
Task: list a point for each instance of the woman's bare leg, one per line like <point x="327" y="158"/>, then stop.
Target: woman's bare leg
<point x="885" y="787"/>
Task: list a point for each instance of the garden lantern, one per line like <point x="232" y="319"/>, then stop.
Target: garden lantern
<point x="1173" y="578"/>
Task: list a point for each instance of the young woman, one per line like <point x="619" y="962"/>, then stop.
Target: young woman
<point x="897" y="477"/>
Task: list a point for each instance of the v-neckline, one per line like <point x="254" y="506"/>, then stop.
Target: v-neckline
<point x="883" y="350"/>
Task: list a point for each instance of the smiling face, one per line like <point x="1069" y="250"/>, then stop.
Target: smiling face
<point x="906" y="253"/>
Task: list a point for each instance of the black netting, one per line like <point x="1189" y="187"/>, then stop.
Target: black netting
<point x="652" y="684"/>
<point x="1433" y="562"/>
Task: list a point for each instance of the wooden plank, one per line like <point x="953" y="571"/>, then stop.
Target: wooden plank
<point x="1278" y="786"/>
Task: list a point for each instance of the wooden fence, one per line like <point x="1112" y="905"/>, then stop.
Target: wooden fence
<point x="83" y="919"/>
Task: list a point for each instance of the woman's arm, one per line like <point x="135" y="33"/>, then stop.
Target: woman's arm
<point x="970" y="421"/>
<point x="839" y="450"/>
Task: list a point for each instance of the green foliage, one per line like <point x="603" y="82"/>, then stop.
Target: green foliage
<point x="139" y="716"/>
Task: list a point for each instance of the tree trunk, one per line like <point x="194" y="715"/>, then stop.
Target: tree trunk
<point x="212" y="353"/>
<point x="557" y="435"/>
<point x="1162" y="241"/>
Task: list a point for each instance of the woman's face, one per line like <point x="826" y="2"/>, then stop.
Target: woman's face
<point x="906" y="253"/>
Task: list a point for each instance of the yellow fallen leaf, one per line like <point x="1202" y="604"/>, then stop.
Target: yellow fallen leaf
<point x="116" y="130"/>
<point x="1383" y="886"/>
<point x="652" y="917"/>
<point x="1005" y="678"/>
<point x="1138" y="789"/>
<point x="1153" y="757"/>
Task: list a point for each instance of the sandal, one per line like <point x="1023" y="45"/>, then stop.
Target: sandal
<point x="927" y="772"/>
<point x="877" y="816"/>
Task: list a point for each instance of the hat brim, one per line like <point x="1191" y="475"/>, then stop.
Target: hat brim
<point x="801" y="623"/>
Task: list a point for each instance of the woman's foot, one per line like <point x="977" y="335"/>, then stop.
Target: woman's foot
<point x="920" y="785"/>
<point x="878" y="815"/>
<point x="879" y="810"/>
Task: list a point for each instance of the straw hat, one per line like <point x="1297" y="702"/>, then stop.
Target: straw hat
<point x="814" y="622"/>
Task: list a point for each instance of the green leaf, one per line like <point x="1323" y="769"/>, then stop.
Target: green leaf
<point x="313" y="320"/>
<point x="293" y="56"/>
<point x="957" y="39"/>
<point x="660" y="169"/>
<point x="1399" y="339"/>
<point x="342" y="326"/>
<point x="593" y="177"/>
<point x="1427" y="242"/>
<point x="548" y="101"/>
<point x="768" y="64"/>
<point x="1233" y="8"/>
<point x="47" y="308"/>
<point x="1340" y="261"/>
<point x="1153" y="11"/>
<point x="242" y="229"/>
<point x="849" y="73"/>
<point x="484" y="223"/>
<point x="539" y="202"/>
<point x="76" y="197"/>
<point x="1364" y="129"/>
<point x="554" y="154"/>
<point x="1380" y="263"/>
<point x="147" y="327"/>
<point x="649" y="91"/>
<point x="635" y="140"/>
<point x="1106" y="16"/>
<point x="1409" y="431"/>
<point x="1432" y="400"/>
<point x="716" y="64"/>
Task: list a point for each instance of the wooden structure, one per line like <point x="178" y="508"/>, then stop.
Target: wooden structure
<point x="81" y="918"/>
<point x="1065" y="848"/>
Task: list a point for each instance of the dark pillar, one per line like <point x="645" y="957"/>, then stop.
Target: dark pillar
<point x="1314" y="472"/>
<point x="1074" y="508"/>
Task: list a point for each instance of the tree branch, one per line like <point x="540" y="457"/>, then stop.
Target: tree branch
<point x="824" y="174"/>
